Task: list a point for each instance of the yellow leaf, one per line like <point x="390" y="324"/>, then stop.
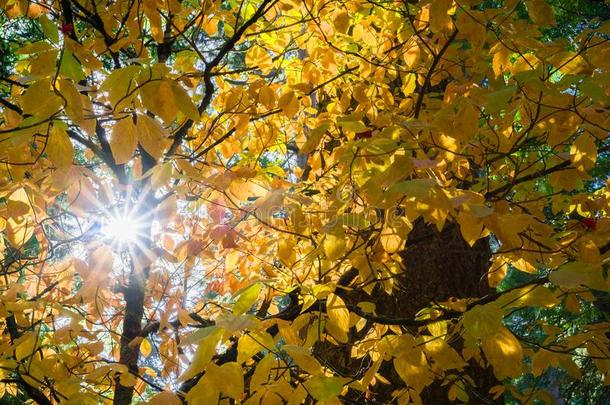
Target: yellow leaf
<point x="286" y="252"/>
<point x="339" y="316"/>
<point x="569" y="63"/>
<point x="228" y="379"/>
<point x="411" y="57"/>
<point x="342" y="22"/>
<point x="289" y="104"/>
<point x="391" y="239"/>
<point x="124" y="140"/>
<point x="303" y="358"/>
<point x="541" y="12"/>
<point x="26" y="346"/>
<point x="584" y="153"/>
<point x="578" y="274"/>
<point x="409" y="83"/>
<point x="366" y="380"/>
<point x="161" y="174"/>
<point x="333" y="246"/>
<point x="500" y="61"/>
<point x="503" y="351"/>
<point x="120" y="85"/>
<point x="261" y="373"/>
<point x="43" y="64"/>
<point x="542" y="360"/>
<point x="59" y="147"/>
<point x="205" y="351"/>
<point x="211" y="26"/>
<point x="439" y="17"/>
<point x="325" y="388"/>
<point x="269" y="204"/>
<point x="74" y="103"/>
<point x="483" y="320"/>
<point x="471" y="227"/>
<point x="438" y="329"/>
<point x="154" y="17"/>
<point x="252" y="343"/>
<point x="18" y="203"/>
<point x="267" y="96"/>
<point x="165" y="398"/>
<point x="204" y="392"/>
<point x="145" y="347"/>
<point x="151" y="136"/>
<point x="444" y="355"/>
<point x="184" y="102"/>
<point x="127" y="379"/>
<point x="533" y="296"/>
<point x="359" y="92"/>
<point x="414" y="370"/>
<point x="417" y="188"/>
<point x="497" y="271"/>
<point x="246" y="298"/>
<point x="259" y="57"/>
<point x="158" y="97"/>
<point x="497" y="391"/>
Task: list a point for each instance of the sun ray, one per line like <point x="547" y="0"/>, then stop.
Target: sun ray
<point x="122" y="227"/>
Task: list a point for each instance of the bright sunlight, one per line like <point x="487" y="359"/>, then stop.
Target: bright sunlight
<point x="121" y="228"/>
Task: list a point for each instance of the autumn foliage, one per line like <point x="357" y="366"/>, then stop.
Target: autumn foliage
<point x="288" y="201"/>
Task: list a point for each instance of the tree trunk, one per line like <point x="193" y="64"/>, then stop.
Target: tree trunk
<point x="437" y="267"/>
<point x="135" y="292"/>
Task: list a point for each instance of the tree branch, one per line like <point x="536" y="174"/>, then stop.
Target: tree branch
<point x="426" y="84"/>
<point x="207" y="73"/>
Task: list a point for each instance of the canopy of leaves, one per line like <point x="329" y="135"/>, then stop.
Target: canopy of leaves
<point x="287" y="201"/>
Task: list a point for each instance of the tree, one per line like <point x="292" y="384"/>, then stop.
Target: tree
<point x="275" y="201"/>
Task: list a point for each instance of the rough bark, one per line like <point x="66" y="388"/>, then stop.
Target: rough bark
<point x="437" y="266"/>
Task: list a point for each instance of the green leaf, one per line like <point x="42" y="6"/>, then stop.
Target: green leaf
<point x="70" y="67"/>
<point x="49" y="28"/>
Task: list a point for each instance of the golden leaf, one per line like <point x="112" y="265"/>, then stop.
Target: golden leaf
<point x="338" y="314"/>
<point x="503" y="351"/>
<point x="246" y="298"/>
<point x="289" y="104"/>
<point x="414" y="370"/>
<point x="165" y="398"/>
<point x="584" y="153"/>
<point x="59" y="147"/>
<point x="342" y="21"/>
<point x="151" y="136"/>
<point x="124" y="140"/>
